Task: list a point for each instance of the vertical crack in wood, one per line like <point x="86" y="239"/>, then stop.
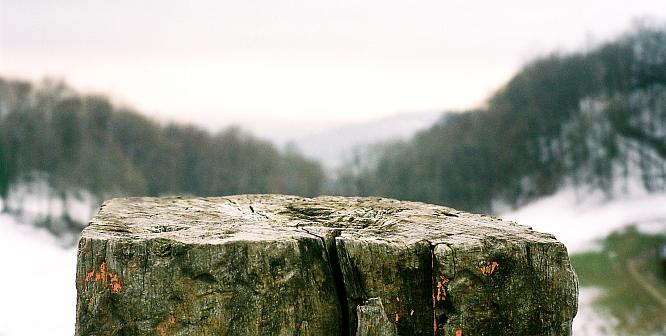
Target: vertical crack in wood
<point x="433" y="279"/>
<point x="338" y="280"/>
<point x="331" y="250"/>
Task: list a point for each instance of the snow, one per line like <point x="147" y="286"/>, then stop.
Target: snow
<point x="35" y="199"/>
<point x="38" y="274"/>
<point x="590" y="321"/>
<point x="38" y="289"/>
<point x="577" y="218"/>
<point x="38" y="282"/>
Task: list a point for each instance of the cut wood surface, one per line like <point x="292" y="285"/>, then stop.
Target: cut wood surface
<point x="286" y="265"/>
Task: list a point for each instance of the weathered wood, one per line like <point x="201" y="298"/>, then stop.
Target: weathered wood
<point x="284" y="265"/>
<point x="372" y="320"/>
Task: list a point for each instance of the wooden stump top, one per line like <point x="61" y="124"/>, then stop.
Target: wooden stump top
<point x="285" y="265"/>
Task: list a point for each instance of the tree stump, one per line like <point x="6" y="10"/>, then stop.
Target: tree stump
<point x="285" y="265"/>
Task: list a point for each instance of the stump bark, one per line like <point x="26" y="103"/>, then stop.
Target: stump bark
<point x="285" y="265"/>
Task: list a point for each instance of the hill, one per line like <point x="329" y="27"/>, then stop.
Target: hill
<point x="595" y="118"/>
<point x="66" y="143"/>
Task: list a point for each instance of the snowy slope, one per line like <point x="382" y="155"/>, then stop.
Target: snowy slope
<point x="35" y="199"/>
<point x="37" y="282"/>
<point x="37" y="279"/>
<point x="577" y="218"/>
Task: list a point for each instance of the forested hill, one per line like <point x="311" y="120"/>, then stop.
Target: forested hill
<point x="84" y="142"/>
<point x="595" y="118"/>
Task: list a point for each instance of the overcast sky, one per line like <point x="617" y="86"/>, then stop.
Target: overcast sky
<point x="289" y="68"/>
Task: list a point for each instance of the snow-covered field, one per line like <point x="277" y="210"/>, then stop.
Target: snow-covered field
<point x="39" y="298"/>
<point x="37" y="282"/>
<point x="578" y="221"/>
<point x="38" y="273"/>
<point x="35" y="199"/>
<point x="589" y="321"/>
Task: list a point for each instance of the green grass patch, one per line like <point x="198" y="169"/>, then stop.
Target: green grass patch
<point x="636" y="311"/>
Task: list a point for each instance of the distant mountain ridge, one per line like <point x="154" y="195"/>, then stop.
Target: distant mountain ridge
<point x="331" y="147"/>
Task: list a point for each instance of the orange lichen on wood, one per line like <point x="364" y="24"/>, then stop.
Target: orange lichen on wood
<point x="489" y="267"/>
<point x="89" y="276"/>
<point x="102" y="275"/>
<point x="494" y="266"/>
<point x="161" y="330"/>
<point x="441" y="290"/>
<point x="166" y="326"/>
<point x="114" y="283"/>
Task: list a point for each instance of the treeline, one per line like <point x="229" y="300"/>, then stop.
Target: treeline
<point x="587" y="118"/>
<point x="86" y="142"/>
<point x="595" y="118"/>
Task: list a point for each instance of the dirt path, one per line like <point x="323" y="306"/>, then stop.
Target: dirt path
<point x="643" y="282"/>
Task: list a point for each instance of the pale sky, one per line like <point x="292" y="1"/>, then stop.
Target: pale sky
<point x="289" y="68"/>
